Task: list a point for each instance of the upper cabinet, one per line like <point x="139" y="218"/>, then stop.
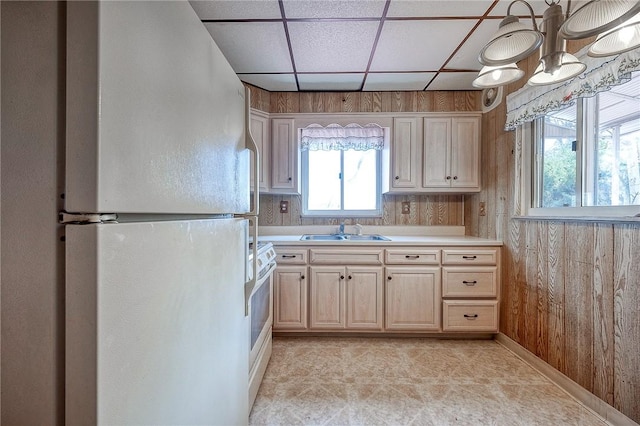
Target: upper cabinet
<point x="404" y="151"/>
<point x="451" y="154"/>
<point x="284" y="161"/>
<point x="437" y="153"/>
<point x="260" y="134"/>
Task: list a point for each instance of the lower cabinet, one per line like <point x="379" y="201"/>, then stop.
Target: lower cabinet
<point x="400" y="289"/>
<point x="345" y="297"/>
<point x="290" y="298"/>
<point x="412" y="298"/>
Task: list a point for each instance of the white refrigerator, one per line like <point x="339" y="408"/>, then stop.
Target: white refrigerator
<point x="157" y="220"/>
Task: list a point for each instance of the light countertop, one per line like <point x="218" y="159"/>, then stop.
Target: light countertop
<point x="398" y="235"/>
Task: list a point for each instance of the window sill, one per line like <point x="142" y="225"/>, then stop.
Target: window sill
<point x="585" y="219"/>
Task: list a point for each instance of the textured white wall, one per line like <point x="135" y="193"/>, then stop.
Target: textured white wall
<point x="32" y="255"/>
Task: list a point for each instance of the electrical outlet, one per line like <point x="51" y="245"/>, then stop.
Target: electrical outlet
<point x="406" y="207"/>
<point x="284" y="206"/>
<point x="482" y="211"/>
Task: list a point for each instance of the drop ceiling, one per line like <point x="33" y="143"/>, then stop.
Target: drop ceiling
<point x="357" y="45"/>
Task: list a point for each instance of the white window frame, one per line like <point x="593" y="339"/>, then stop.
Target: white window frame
<point x="304" y="163"/>
<point x="526" y="189"/>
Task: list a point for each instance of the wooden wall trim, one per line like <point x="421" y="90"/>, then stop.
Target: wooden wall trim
<point x="584" y="397"/>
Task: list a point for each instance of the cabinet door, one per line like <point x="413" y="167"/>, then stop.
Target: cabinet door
<point x="404" y="153"/>
<point x="260" y="134"/>
<point x="437" y="153"/>
<point x="284" y="158"/>
<point x="364" y="297"/>
<point x="327" y="301"/>
<point x="290" y="298"/>
<point x="412" y="298"/>
<point x="465" y="152"/>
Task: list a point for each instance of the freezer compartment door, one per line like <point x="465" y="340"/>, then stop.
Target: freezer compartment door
<point x="155" y="325"/>
<point x="155" y="113"/>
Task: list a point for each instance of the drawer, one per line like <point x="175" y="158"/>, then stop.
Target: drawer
<point x="292" y="256"/>
<point x="460" y="281"/>
<point x="346" y="257"/>
<point x="469" y="315"/>
<point x="412" y="257"/>
<point x="487" y="256"/>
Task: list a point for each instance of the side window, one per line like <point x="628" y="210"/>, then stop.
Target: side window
<point x="587" y="156"/>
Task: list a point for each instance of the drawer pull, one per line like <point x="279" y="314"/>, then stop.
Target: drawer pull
<point x="470" y="283"/>
<point x="469" y="257"/>
<point x="471" y="317"/>
<point x="413" y="256"/>
<point x="289" y="256"/>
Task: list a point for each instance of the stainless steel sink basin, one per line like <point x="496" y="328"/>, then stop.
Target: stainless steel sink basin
<point x="343" y="237"/>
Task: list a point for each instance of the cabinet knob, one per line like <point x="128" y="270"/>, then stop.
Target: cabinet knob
<point x="349" y="277"/>
<point x="397" y="177"/>
<point x="455" y="178"/>
<point x="448" y="177"/>
<point x="289" y="179"/>
<point x="389" y="277"/>
<point x="342" y="277"/>
<point x="302" y="277"/>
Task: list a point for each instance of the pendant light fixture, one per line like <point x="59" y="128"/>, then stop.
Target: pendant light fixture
<point x="498" y="76"/>
<point x="618" y="22"/>
<point x="623" y="38"/>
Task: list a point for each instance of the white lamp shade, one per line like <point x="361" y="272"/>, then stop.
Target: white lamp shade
<point x="620" y="39"/>
<point x="570" y="68"/>
<point x="597" y="16"/>
<point x="497" y="76"/>
<point x="511" y="43"/>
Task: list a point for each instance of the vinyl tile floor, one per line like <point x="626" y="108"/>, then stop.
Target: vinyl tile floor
<point x="407" y="381"/>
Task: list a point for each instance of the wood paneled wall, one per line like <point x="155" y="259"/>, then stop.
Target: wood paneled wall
<point x="425" y="209"/>
<point x="570" y="290"/>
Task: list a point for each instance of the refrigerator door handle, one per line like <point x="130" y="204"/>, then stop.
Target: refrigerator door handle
<point x="251" y="145"/>
<point x="250" y="285"/>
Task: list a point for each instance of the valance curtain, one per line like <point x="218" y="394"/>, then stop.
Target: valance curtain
<point x="531" y="102"/>
<point x="337" y="138"/>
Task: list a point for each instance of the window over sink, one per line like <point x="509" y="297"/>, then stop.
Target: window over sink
<point x="342" y="170"/>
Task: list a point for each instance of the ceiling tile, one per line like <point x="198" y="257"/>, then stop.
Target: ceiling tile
<point x="333" y="8"/>
<point x="453" y="81"/>
<point x="467" y="57"/>
<point x="237" y="9"/>
<point x="337" y="82"/>
<point x="254" y="47"/>
<point x="430" y="8"/>
<point x="397" y="81"/>
<point x="332" y="46"/>
<point x="271" y="82"/>
<point x="418" y="45"/>
<point x="519" y="9"/>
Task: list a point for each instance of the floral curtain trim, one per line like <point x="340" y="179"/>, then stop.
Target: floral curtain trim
<point x="337" y="138"/>
<point x="530" y="102"/>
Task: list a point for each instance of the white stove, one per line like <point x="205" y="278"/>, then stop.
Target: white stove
<point x="260" y="315"/>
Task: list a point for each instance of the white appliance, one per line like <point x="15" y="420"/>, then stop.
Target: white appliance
<point x="261" y="318"/>
<point x="157" y="212"/>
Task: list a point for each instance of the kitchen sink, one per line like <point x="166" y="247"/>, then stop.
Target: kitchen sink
<point x="343" y="237"/>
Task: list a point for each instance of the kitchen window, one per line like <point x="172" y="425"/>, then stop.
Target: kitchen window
<point x="342" y="170"/>
<point x="585" y="158"/>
